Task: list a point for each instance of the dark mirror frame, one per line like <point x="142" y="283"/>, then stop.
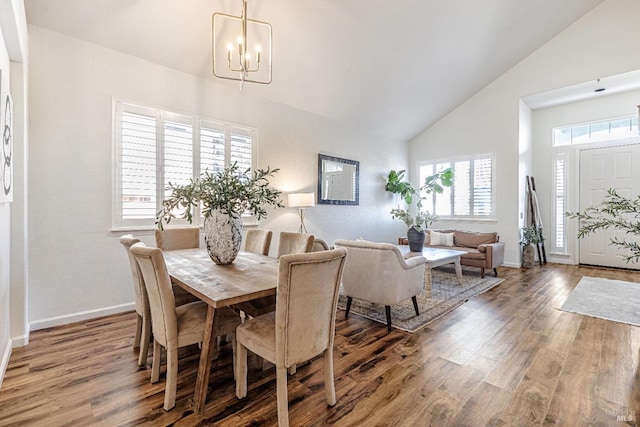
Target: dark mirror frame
<point x="356" y="198"/>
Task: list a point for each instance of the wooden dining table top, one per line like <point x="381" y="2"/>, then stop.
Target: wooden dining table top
<point x="250" y="276"/>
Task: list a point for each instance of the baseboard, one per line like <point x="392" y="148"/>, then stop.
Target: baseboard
<point x="20" y="341"/>
<point x="80" y="316"/>
<point x="5" y="361"/>
<point x="510" y="265"/>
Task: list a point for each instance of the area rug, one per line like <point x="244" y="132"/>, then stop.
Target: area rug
<point x="446" y="295"/>
<point x="607" y="299"/>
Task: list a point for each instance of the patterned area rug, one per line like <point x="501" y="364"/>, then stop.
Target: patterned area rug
<point x="446" y="295"/>
<point x="607" y="299"/>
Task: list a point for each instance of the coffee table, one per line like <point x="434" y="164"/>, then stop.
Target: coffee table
<point x="435" y="258"/>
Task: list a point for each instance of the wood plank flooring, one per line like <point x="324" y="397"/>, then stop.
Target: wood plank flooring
<point x="508" y="357"/>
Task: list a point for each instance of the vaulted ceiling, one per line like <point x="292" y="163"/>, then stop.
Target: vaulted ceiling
<point x="393" y="67"/>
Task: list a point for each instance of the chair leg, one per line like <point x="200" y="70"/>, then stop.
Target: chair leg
<point x="155" y="363"/>
<point x="482" y="272"/>
<point x="387" y="310"/>
<point x="283" y="398"/>
<point x="144" y="342"/>
<point x="329" y="385"/>
<point x="346" y="313"/>
<point x="241" y="370"/>
<point x="136" y="338"/>
<point x="291" y="370"/>
<point x="495" y="271"/>
<point x="415" y="304"/>
<point x="172" y="379"/>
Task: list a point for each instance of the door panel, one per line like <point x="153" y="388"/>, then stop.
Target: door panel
<point x="601" y="169"/>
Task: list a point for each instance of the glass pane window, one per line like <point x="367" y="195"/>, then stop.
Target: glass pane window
<point x="597" y="131"/>
<point x="471" y="195"/>
<point x="154" y="148"/>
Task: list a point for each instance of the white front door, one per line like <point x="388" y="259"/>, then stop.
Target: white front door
<point x="600" y="169"/>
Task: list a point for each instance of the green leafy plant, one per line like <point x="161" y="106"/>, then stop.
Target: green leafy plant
<point x="615" y="211"/>
<point x="432" y="184"/>
<point x="231" y="191"/>
<point x="531" y="236"/>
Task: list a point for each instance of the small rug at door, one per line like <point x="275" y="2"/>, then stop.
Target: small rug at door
<point x="607" y="299"/>
<point x="446" y="295"/>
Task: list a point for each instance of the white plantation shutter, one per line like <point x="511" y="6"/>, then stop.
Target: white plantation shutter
<point x="153" y="148"/>
<point x="241" y="148"/>
<point x="138" y="166"/>
<point x="560" y="199"/>
<point x="482" y="187"/>
<point x="212" y="147"/>
<point x="178" y="154"/>
<point x="471" y="195"/>
<point x="462" y="185"/>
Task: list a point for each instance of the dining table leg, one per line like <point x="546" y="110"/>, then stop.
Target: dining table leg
<point x="204" y="368"/>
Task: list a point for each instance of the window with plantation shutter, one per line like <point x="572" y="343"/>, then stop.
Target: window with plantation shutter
<point x="471" y="195"/>
<point x="560" y="203"/>
<point x="153" y="148"/>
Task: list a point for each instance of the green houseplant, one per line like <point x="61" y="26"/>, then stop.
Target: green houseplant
<point x="419" y="221"/>
<point x="615" y="211"/>
<point x="223" y="197"/>
<point x="530" y="236"/>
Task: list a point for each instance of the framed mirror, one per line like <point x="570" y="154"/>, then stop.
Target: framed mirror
<point x="338" y="181"/>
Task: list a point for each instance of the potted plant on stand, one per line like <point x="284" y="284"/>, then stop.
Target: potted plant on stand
<point x="530" y="236"/>
<point x="419" y="222"/>
<point x="224" y="196"/>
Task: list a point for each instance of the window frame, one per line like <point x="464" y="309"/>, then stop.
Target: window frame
<point x="119" y="223"/>
<point x="430" y="203"/>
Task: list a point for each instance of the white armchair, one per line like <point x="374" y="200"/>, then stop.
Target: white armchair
<point x="378" y="273"/>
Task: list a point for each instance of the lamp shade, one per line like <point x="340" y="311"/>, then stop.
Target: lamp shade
<point x="302" y="200"/>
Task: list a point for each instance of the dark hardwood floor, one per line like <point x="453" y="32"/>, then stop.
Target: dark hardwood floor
<point x="508" y="357"/>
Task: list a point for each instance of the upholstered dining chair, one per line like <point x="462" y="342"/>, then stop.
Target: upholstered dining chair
<point x="174" y="327"/>
<point x="258" y="241"/>
<point x="143" y="316"/>
<point x="294" y="243"/>
<point x="319" y="245"/>
<point x="297" y="331"/>
<point x="178" y="238"/>
<point x="171" y="239"/>
<point x="378" y="273"/>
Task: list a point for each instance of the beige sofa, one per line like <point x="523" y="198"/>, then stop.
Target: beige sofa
<point x="483" y="250"/>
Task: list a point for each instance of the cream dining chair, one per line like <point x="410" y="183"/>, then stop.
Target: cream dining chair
<point x="258" y="241"/>
<point x="174" y="327"/>
<point x="143" y="316"/>
<point x="319" y="245"/>
<point x="297" y="331"/>
<point x="178" y="238"/>
<point x="171" y="239"/>
<point x="294" y="243"/>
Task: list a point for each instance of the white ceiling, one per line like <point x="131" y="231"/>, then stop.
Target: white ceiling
<point x="393" y="67"/>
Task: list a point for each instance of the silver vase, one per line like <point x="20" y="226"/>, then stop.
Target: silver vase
<point x="223" y="236"/>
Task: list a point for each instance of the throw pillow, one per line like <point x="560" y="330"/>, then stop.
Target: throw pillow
<point x="441" y="239"/>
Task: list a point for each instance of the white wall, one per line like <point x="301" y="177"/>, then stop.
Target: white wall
<point x="605" y="107"/>
<point x="599" y="44"/>
<point x="77" y="267"/>
<point x="5" y="232"/>
<point x="13" y="57"/>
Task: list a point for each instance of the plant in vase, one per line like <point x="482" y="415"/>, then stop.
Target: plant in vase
<point x="530" y="236"/>
<point x="223" y="197"/>
<point x="419" y="222"/>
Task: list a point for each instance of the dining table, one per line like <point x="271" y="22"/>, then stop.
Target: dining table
<point x="248" y="277"/>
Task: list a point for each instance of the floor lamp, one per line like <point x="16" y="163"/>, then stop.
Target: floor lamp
<point x="301" y="201"/>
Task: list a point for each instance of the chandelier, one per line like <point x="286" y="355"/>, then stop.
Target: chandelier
<point x="241" y="48"/>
